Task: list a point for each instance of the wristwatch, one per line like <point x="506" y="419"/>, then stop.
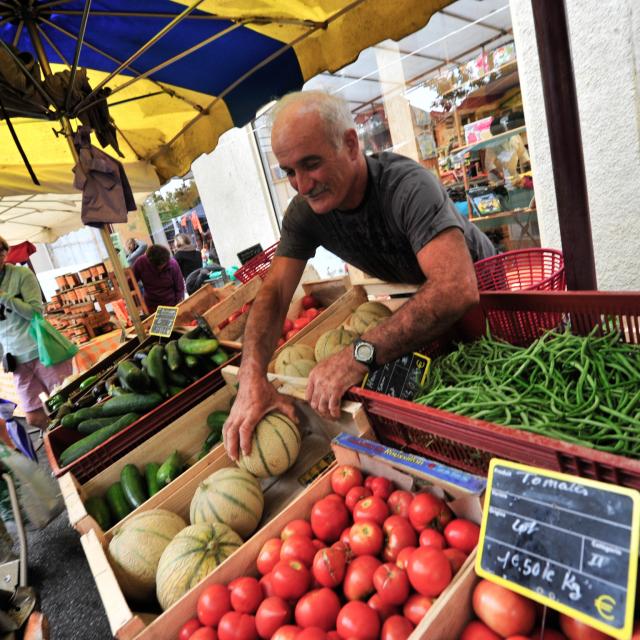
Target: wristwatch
<point x="364" y="352"/>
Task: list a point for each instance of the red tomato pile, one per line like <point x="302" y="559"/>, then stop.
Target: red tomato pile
<point x="311" y="308"/>
<point x="235" y="315"/>
<point x="367" y="565"/>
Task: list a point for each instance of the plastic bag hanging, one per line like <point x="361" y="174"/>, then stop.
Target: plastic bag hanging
<point x="53" y="347"/>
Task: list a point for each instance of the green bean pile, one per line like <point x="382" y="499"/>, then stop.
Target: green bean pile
<point x="584" y="390"/>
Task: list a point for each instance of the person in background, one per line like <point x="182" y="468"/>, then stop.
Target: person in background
<point x="160" y="276"/>
<point x="186" y="255"/>
<point x="20" y="298"/>
<point x="134" y="249"/>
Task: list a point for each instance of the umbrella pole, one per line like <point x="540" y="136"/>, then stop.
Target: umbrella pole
<point x="104" y="233"/>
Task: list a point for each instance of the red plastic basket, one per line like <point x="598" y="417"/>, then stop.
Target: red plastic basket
<point x="522" y="270"/>
<point x="103" y="456"/>
<point x="257" y="266"/>
<point x="470" y="444"/>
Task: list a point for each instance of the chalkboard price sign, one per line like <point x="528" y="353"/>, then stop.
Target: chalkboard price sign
<point x="163" y="321"/>
<point x="400" y="378"/>
<point x="567" y="542"/>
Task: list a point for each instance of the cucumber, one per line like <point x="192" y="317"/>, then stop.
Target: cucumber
<point x="132" y="378"/>
<point x="174" y="390"/>
<point x="220" y="357"/>
<point x="87" y="382"/>
<point x="133" y="485"/>
<point x="117" y="502"/>
<point x="128" y="402"/>
<point x="212" y="439"/>
<point x="93" y="424"/>
<point x="155" y="369"/>
<point x="72" y="420"/>
<point x="191" y="361"/>
<point x="174" y="357"/>
<point x="170" y="469"/>
<point x="177" y="378"/>
<point x="63" y="410"/>
<point x="197" y="346"/>
<point x="90" y="442"/>
<point x="97" y="508"/>
<point x="216" y="420"/>
<point x="151" y="475"/>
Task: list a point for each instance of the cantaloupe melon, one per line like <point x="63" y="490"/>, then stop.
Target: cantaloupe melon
<point x="231" y="496"/>
<point x="299" y="368"/>
<point x="291" y="354"/>
<point x="193" y="554"/>
<point x="274" y="447"/>
<point x="136" y="547"/>
<point x="333" y="341"/>
<point x="367" y="316"/>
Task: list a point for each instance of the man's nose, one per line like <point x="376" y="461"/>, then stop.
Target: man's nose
<point x="305" y="183"/>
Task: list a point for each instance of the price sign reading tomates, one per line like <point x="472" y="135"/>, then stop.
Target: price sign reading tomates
<point x="567" y="542"/>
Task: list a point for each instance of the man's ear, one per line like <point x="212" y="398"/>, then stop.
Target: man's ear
<point x="352" y="143"/>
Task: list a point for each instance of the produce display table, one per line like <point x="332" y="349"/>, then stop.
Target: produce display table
<point x="93" y="351"/>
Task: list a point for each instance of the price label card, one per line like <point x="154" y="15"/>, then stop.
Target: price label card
<point x="163" y="321"/>
<point x="401" y="378"/>
<point x="567" y="542"/>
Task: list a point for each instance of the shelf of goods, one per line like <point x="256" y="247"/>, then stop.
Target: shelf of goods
<point x="520" y="318"/>
<point x="461" y="492"/>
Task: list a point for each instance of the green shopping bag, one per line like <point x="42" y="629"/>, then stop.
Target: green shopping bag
<point x="53" y="347"/>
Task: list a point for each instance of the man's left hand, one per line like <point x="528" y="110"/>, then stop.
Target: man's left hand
<point x="330" y="379"/>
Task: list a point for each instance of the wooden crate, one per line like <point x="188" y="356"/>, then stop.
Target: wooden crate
<point x="377" y="287"/>
<point x="185" y="435"/>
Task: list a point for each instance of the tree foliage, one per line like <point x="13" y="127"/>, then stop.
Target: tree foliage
<point x="173" y="204"/>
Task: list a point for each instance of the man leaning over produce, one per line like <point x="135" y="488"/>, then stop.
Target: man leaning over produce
<point x="384" y="214"/>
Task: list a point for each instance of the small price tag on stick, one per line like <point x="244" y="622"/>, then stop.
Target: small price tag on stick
<point x="163" y="321"/>
<point x="567" y="542"/>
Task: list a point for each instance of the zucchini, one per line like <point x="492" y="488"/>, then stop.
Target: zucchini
<point x="216" y="420"/>
<point x="133" y="485"/>
<point x="212" y="439"/>
<point x="219" y="357"/>
<point x="117" y="502"/>
<point x="90" y="442"/>
<point x="151" y="475"/>
<point x="128" y="402"/>
<point x="63" y="410"/>
<point x="197" y="346"/>
<point x="155" y="368"/>
<point x="170" y="469"/>
<point x="97" y="508"/>
<point x="132" y="378"/>
<point x="72" y="420"/>
<point x="93" y="424"/>
<point x="174" y="357"/>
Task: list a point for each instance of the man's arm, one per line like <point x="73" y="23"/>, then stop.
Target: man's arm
<point x="256" y="396"/>
<point x="450" y="290"/>
<point x="28" y="301"/>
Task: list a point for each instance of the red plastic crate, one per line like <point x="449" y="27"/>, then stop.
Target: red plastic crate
<point x="522" y="270"/>
<point x="89" y="465"/>
<point x="470" y="444"/>
<point x="257" y="266"/>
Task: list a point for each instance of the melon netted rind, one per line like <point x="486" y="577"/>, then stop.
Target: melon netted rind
<point x="136" y="548"/>
<point x="367" y="316"/>
<point x="274" y="447"/>
<point x="333" y="341"/>
<point x="231" y="496"/>
<point x="299" y="368"/>
<point x="191" y="556"/>
<point x="292" y="353"/>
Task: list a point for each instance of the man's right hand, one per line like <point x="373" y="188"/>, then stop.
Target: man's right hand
<point x="256" y="397"/>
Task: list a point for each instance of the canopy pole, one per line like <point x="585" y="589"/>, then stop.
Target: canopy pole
<point x="104" y="232"/>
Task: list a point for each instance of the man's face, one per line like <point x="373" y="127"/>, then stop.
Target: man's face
<point x="321" y="173"/>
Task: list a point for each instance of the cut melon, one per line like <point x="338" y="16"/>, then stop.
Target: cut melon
<point x="136" y="548"/>
<point x="292" y="354"/>
<point x="333" y="341"/>
<point x="231" y="496"/>
<point x="191" y="556"/>
<point x="367" y="316"/>
<point x="299" y="368"/>
<point x="274" y="447"/>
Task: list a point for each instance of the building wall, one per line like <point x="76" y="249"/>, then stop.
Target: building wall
<point x="605" y="44"/>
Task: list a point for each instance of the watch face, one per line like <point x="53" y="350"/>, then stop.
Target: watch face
<point x="364" y="352"/>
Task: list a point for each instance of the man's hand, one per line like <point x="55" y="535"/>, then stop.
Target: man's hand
<point x="255" y="398"/>
<point x="330" y="379"/>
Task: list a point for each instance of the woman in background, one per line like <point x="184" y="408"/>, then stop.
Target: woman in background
<point x="186" y="255"/>
<point x="160" y="276"/>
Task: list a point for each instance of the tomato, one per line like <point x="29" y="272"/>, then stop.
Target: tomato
<point x="462" y="534"/>
<point x="359" y="621"/>
<point x="521" y="637"/>
<point x="371" y="509"/>
<point x="396" y="628"/>
<point x="456" y="557"/>
<point x="286" y="632"/>
<point x="345" y="537"/>
<point x="234" y="316"/>
<point x="329" y="517"/>
<point x="366" y="538"/>
<point x="367" y="482"/>
<point x="299" y="527"/>
<point x="478" y="631"/>
<point x="318" y="544"/>
<point x="354" y="495"/>
<point x="213" y="603"/>
<point x="381" y="487"/>
<point x="312" y="633"/>
<point x="246" y="594"/>
<point x="245" y="307"/>
<point x="576" y="630"/>
<point x="272" y="613"/>
<point x="297" y="547"/>
<point x="415" y="607"/>
<point x="291" y="333"/>
<point x="318" y="608"/>
<point x="188" y="629"/>
<point x="333" y="635"/>
<point x="403" y="557"/>
<point x="269" y="555"/>
<point x="280" y="342"/>
<point x="358" y="580"/>
<point x="383" y="609"/>
<point x="432" y="538"/>
<point x="237" y="626"/>
<point x="309" y="301"/>
<point x="290" y="579"/>
<point x="547" y="634"/>
<point x="424" y="510"/>
<point x="399" y="534"/>
<point x="329" y="566"/>
<point x="503" y="611"/>
<point x="399" y="502"/>
<point x="311" y="313"/>
<point x="266" y="582"/>
<point x="429" y="571"/>
<point x="204" y="633"/>
<point x="391" y="583"/>
<point x="300" y="323"/>
<point x="288" y="325"/>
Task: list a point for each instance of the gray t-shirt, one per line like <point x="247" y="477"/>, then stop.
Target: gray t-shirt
<point x="404" y="208"/>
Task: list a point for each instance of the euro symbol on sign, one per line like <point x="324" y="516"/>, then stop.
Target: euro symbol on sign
<point x="604" y="606"/>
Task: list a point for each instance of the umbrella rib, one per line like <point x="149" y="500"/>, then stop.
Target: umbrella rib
<point x="16" y="38"/>
<point x="76" y="57"/>
<point x="43" y="33"/>
<point x="53" y="3"/>
<point x="142" y="97"/>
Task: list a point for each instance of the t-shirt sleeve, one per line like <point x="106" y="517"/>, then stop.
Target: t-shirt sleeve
<point x="296" y="241"/>
<point x="425" y="209"/>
